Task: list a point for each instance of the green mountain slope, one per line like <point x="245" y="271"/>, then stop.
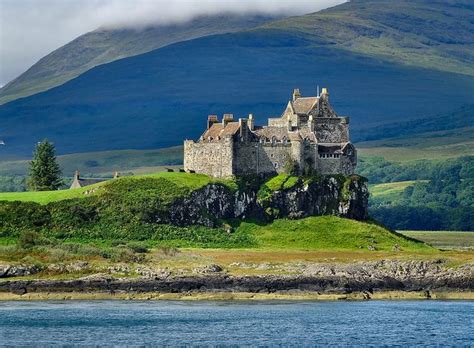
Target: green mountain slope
<point x="106" y="45"/>
<point x="436" y="34"/>
<point x="159" y="98"/>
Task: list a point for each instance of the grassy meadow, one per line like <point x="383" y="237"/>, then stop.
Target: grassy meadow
<point x="444" y="239"/>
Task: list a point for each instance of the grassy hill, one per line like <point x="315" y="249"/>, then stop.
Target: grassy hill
<point x="163" y="96"/>
<point x="106" y="45"/>
<point x="69" y="214"/>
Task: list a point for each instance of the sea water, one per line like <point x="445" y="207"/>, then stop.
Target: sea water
<point x="269" y="323"/>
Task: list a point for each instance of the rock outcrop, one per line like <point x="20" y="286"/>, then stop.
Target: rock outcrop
<point x="367" y="277"/>
<point x="329" y="195"/>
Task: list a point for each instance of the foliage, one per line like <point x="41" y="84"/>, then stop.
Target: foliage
<point x="44" y="174"/>
<point x="16" y="183"/>
<point x="440" y="197"/>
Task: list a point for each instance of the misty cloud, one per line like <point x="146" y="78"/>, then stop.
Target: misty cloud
<point x="30" y="29"/>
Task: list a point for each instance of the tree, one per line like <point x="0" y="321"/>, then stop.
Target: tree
<point x="45" y="173"/>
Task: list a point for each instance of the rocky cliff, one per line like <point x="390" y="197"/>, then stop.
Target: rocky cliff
<point x="295" y="198"/>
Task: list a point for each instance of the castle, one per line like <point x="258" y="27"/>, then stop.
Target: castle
<point x="309" y="136"/>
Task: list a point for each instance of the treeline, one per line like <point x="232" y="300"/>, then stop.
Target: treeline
<point x="15" y="183"/>
<point x="444" y="202"/>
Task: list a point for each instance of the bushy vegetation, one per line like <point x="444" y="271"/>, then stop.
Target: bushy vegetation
<point x="129" y="208"/>
<point x="441" y="197"/>
<point x="12" y="183"/>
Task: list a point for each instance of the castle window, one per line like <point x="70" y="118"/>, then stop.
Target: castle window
<point x="275" y="165"/>
<point x="271" y="155"/>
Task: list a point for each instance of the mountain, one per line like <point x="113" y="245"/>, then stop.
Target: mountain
<point x="106" y="45"/>
<point x="159" y="98"/>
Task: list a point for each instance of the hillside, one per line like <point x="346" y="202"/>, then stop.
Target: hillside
<point x="106" y="45"/>
<point x="148" y="207"/>
<point x="219" y="77"/>
<point x="443" y="136"/>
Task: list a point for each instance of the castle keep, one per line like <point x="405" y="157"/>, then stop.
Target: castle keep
<point x="308" y="136"/>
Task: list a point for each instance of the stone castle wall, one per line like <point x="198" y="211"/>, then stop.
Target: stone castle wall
<point x="332" y="130"/>
<point x="253" y="157"/>
<point x="214" y="159"/>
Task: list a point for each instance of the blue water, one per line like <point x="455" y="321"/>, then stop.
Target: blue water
<point x="125" y="323"/>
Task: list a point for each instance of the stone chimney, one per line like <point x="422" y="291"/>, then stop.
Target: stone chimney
<point x="296" y="94"/>
<point x="116" y="175"/>
<point x="77" y="174"/>
<point x="251" y="122"/>
<point x="325" y="94"/>
<point x="227" y="118"/>
<point x="211" y="119"/>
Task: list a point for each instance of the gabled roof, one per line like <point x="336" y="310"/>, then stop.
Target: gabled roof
<point x="90" y="181"/>
<point x="218" y="131"/>
<point x="304" y="105"/>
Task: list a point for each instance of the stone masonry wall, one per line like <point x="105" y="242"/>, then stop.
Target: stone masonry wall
<point x="213" y="159"/>
<point x="264" y="158"/>
<point x="331" y="130"/>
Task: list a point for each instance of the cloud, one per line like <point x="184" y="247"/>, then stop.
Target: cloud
<point x="30" y="29"/>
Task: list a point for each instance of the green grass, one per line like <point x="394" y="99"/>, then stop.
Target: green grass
<point x="327" y="233"/>
<point x="444" y="239"/>
<point x="390" y="192"/>
<point x="181" y="180"/>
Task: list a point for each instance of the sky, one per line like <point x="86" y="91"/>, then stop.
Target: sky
<point x="30" y="29"/>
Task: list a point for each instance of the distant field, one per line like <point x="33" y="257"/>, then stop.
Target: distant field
<point x="107" y="162"/>
<point x="444" y="239"/>
<point x="429" y="146"/>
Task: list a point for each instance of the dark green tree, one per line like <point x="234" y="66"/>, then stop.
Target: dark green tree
<point x="45" y="173"/>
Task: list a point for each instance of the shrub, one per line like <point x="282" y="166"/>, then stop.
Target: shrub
<point x="137" y="247"/>
<point x="30" y="239"/>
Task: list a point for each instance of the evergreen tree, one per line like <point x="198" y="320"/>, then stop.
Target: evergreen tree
<point x="45" y="173"/>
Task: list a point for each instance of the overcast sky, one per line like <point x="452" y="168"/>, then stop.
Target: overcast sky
<point x="30" y="29"/>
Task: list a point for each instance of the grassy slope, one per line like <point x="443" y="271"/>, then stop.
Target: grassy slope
<point x="106" y="45"/>
<point x="327" y="233"/>
<point x="425" y="33"/>
<point x="420" y="33"/>
<point x="437" y="145"/>
<point x="313" y="233"/>
<point x="191" y="181"/>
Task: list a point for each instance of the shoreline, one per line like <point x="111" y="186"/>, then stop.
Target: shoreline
<point x="240" y="296"/>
